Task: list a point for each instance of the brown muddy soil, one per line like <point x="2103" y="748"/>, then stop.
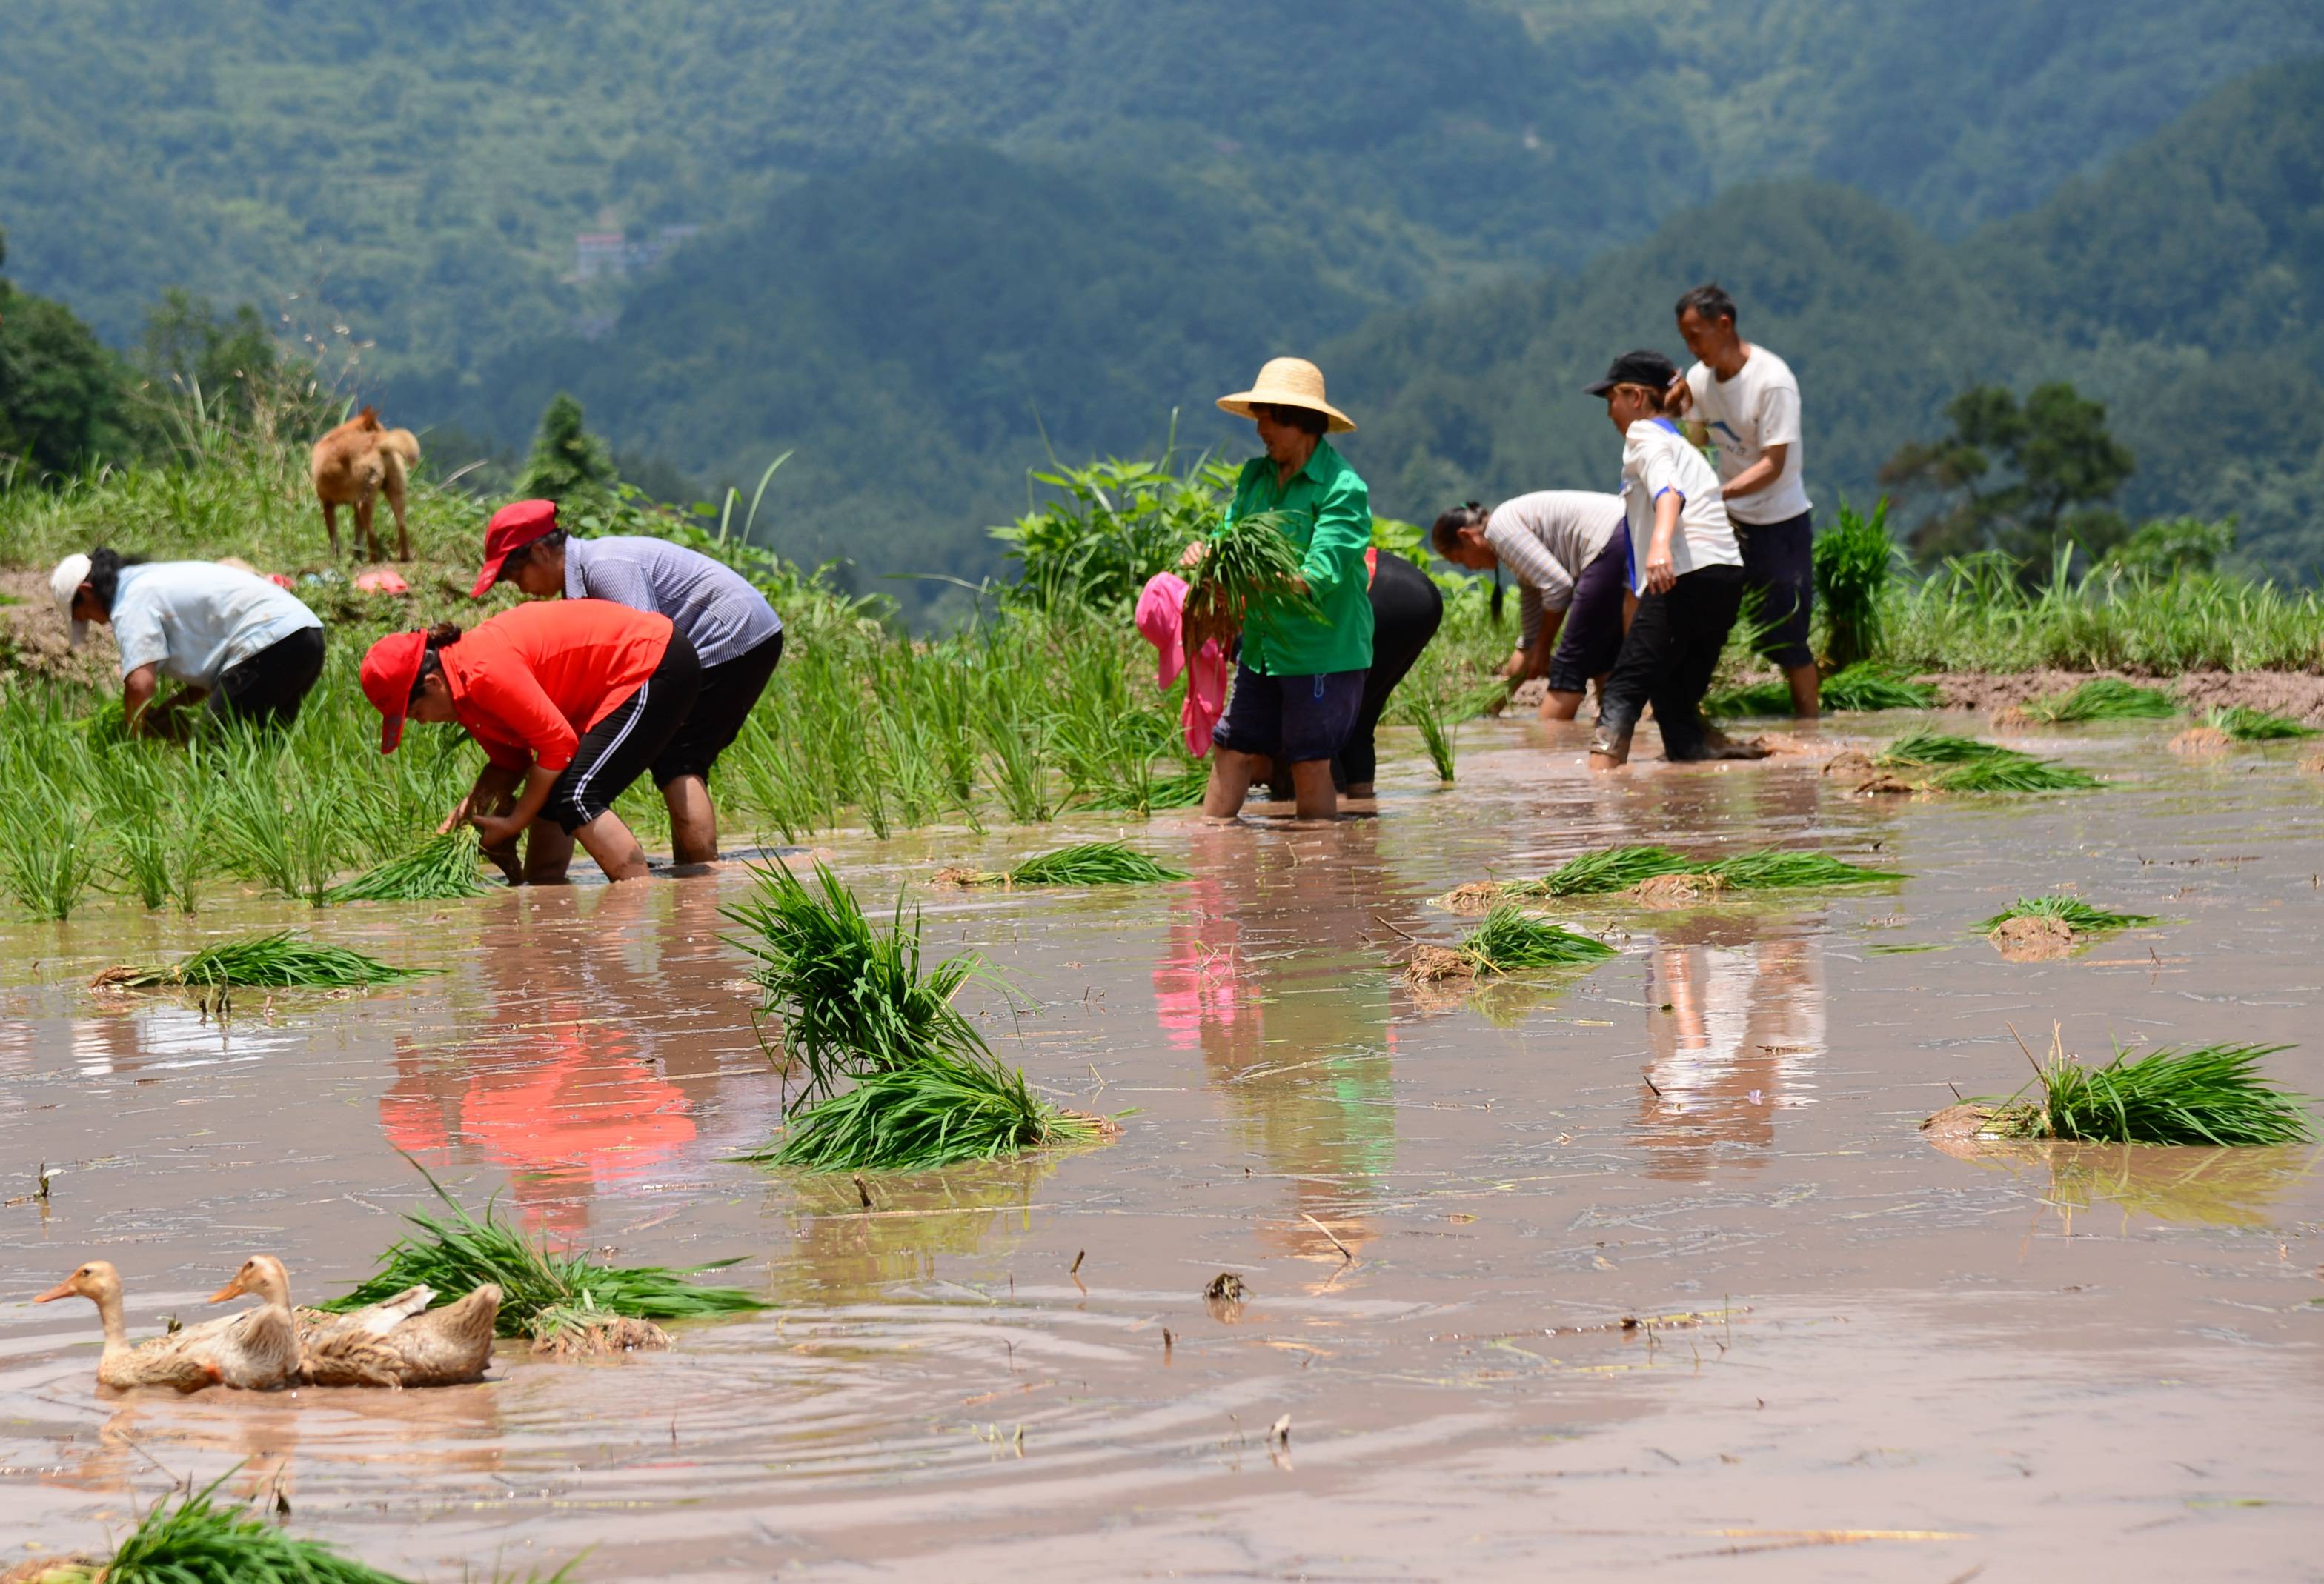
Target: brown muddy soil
<point x="1649" y="1270"/>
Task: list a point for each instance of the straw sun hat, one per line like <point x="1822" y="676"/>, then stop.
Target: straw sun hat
<point x="1287" y="382"/>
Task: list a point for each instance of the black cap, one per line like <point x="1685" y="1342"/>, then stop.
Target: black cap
<point x="1644" y="367"/>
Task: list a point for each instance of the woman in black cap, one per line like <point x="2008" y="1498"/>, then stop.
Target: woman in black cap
<point x="1686" y="570"/>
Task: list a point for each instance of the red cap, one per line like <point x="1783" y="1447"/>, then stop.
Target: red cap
<point x="513" y="527"/>
<point x="391" y="667"/>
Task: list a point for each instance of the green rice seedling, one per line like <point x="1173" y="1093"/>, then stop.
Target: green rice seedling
<point x="280" y="961"/>
<point x="1614" y="868"/>
<point x="2245" y="725"/>
<point x="1854" y="563"/>
<point x="2104" y="698"/>
<point x="2076" y="914"/>
<point x="1774" y="868"/>
<point x="1247" y="569"/>
<point x="1869" y="687"/>
<point x="852" y="1000"/>
<point x="2018" y="773"/>
<point x="278" y="825"/>
<point x="457" y="1252"/>
<point x="49" y="850"/>
<point x="2206" y="1094"/>
<point x="1938" y="747"/>
<point x="1085" y="863"/>
<point x="196" y="1541"/>
<point x="937" y="1111"/>
<point x="1511" y="940"/>
<point x="1755" y="698"/>
<point x="442" y="867"/>
<point x="1016" y="741"/>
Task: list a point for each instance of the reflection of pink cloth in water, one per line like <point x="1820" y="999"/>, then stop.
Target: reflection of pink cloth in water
<point x="1200" y="982"/>
<point x="1161" y="617"/>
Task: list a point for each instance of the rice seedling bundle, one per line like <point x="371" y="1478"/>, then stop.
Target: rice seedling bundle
<point x="1247" y="569"/>
<point x="2077" y="915"/>
<point x="281" y="961"/>
<point x="1774" y="868"/>
<point x="1965" y="764"/>
<point x="2105" y="699"/>
<point x="2245" y="725"/>
<point x="1086" y="863"/>
<point x="440" y="868"/>
<point x="2207" y="1094"/>
<point x="937" y="1110"/>
<point x="1859" y="687"/>
<point x="852" y="1000"/>
<point x="195" y="1540"/>
<point x="457" y="1253"/>
<point x="1613" y="869"/>
<point x="1511" y="940"/>
<point x="1853" y="564"/>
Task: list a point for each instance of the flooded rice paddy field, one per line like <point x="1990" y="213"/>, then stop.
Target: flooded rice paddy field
<point x="1649" y="1271"/>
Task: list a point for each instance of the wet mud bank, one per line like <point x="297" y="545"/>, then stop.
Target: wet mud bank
<point x="1642" y="1263"/>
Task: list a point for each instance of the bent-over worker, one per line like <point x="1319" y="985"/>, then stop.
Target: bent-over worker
<point x="1572" y="562"/>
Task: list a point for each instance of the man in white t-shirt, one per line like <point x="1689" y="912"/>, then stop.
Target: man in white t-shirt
<point x="1744" y="399"/>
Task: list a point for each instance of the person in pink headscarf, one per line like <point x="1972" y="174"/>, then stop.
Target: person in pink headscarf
<point x="1162" y="619"/>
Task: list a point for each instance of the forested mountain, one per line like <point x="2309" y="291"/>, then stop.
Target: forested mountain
<point x="2183" y="285"/>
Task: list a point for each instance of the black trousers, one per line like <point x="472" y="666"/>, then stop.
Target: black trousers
<point x="1668" y="658"/>
<point x="268" y="687"/>
<point x="1407" y="610"/>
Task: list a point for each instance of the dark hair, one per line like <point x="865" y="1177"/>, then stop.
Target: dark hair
<point x="1443" y="533"/>
<point x="443" y="635"/>
<point x="1710" y="301"/>
<point x="1305" y="420"/>
<point x="554" y="539"/>
<point x="104" y="579"/>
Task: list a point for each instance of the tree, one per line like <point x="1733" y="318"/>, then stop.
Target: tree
<point x="569" y="465"/>
<point x="231" y="362"/>
<point x="63" y="394"/>
<point x="2026" y="480"/>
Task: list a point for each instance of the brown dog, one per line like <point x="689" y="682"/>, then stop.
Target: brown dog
<point x="353" y="466"/>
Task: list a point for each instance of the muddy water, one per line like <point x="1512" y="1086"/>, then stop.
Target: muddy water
<point x="1856" y="1357"/>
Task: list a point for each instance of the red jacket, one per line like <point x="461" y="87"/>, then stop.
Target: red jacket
<point x="530" y="681"/>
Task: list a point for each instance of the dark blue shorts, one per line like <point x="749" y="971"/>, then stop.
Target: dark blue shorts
<point x="1291" y="719"/>
<point x="1592" y="634"/>
<point x="1779" y="578"/>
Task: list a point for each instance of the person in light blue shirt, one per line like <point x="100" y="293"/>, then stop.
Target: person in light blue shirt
<point x="249" y="649"/>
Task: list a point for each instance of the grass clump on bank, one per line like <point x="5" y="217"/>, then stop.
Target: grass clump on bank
<point x="281" y="961"/>
<point x="1087" y="863"/>
<point x="195" y="1540"/>
<point x="2209" y="1094"/>
<point x="2104" y="698"/>
<point x="854" y="1003"/>
<point x="1949" y="763"/>
<point x="2245" y="725"/>
<point x="2073" y="912"/>
<point x="457" y="1253"/>
<point x="441" y="868"/>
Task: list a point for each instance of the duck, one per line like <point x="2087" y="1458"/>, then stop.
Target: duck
<point x="397" y="1342"/>
<point x="257" y="1349"/>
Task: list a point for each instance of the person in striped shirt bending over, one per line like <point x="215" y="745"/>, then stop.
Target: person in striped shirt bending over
<point x="1571" y="558"/>
<point x="733" y="629"/>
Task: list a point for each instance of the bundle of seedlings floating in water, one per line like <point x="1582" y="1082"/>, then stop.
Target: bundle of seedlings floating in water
<point x="1860" y="687"/>
<point x="1510" y="941"/>
<point x="195" y="1540"/>
<point x="856" y="1006"/>
<point x="1937" y="762"/>
<point x="2039" y="928"/>
<point x="1087" y="863"/>
<point x="1248" y="567"/>
<point x="441" y="868"/>
<point x="2209" y="1094"/>
<point x="1658" y="874"/>
<point x="281" y="961"/>
<point x="2245" y="725"/>
<point x="565" y="1304"/>
<point x="2103" y="698"/>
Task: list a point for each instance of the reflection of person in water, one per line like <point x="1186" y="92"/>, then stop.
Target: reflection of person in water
<point x="1309" y="1091"/>
<point x="1745" y="1021"/>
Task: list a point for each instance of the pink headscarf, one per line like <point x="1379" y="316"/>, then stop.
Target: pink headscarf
<point x="1162" y="617"/>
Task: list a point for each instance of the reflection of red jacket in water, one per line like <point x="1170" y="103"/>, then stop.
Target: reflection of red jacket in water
<point x="564" y="1111"/>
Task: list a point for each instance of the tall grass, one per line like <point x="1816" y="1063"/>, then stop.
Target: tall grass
<point x="1855" y="562"/>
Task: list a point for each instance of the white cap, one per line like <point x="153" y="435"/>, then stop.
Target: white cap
<point x="63" y="583"/>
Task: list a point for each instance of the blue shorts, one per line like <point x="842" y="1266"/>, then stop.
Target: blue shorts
<point x="1292" y="720"/>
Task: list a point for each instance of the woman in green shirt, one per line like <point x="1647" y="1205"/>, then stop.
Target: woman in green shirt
<point x="1300" y="680"/>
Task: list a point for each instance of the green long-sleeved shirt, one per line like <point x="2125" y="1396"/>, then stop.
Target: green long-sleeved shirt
<point x="1328" y="521"/>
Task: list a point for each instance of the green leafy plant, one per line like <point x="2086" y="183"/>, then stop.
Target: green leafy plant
<point x="456" y="1253"/>
<point x="2245" y="725"/>
<point x="1511" y="940"/>
<point x="1854" y="563"/>
<point x="280" y="961"/>
<point x="442" y="867"/>
<point x="2104" y="698"/>
<point x="194" y="1539"/>
<point x="937" y="1110"/>
<point x="1965" y="764"/>
<point x="2077" y="915"/>
<point x="1086" y="863"/>
<point x="2207" y="1094"/>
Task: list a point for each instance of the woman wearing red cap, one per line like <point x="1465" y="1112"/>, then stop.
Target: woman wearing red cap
<point x="571" y="701"/>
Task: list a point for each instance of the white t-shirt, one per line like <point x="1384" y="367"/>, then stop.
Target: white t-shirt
<point x="1758" y="407"/>
<point x="1657" y="460"/>
<point x="1545" y="538"/>
<point x="198" y="619"/>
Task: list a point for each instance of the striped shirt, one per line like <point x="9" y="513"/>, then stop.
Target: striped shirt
<point x="1545" y="539"/>
<point x="722" y="616"/>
